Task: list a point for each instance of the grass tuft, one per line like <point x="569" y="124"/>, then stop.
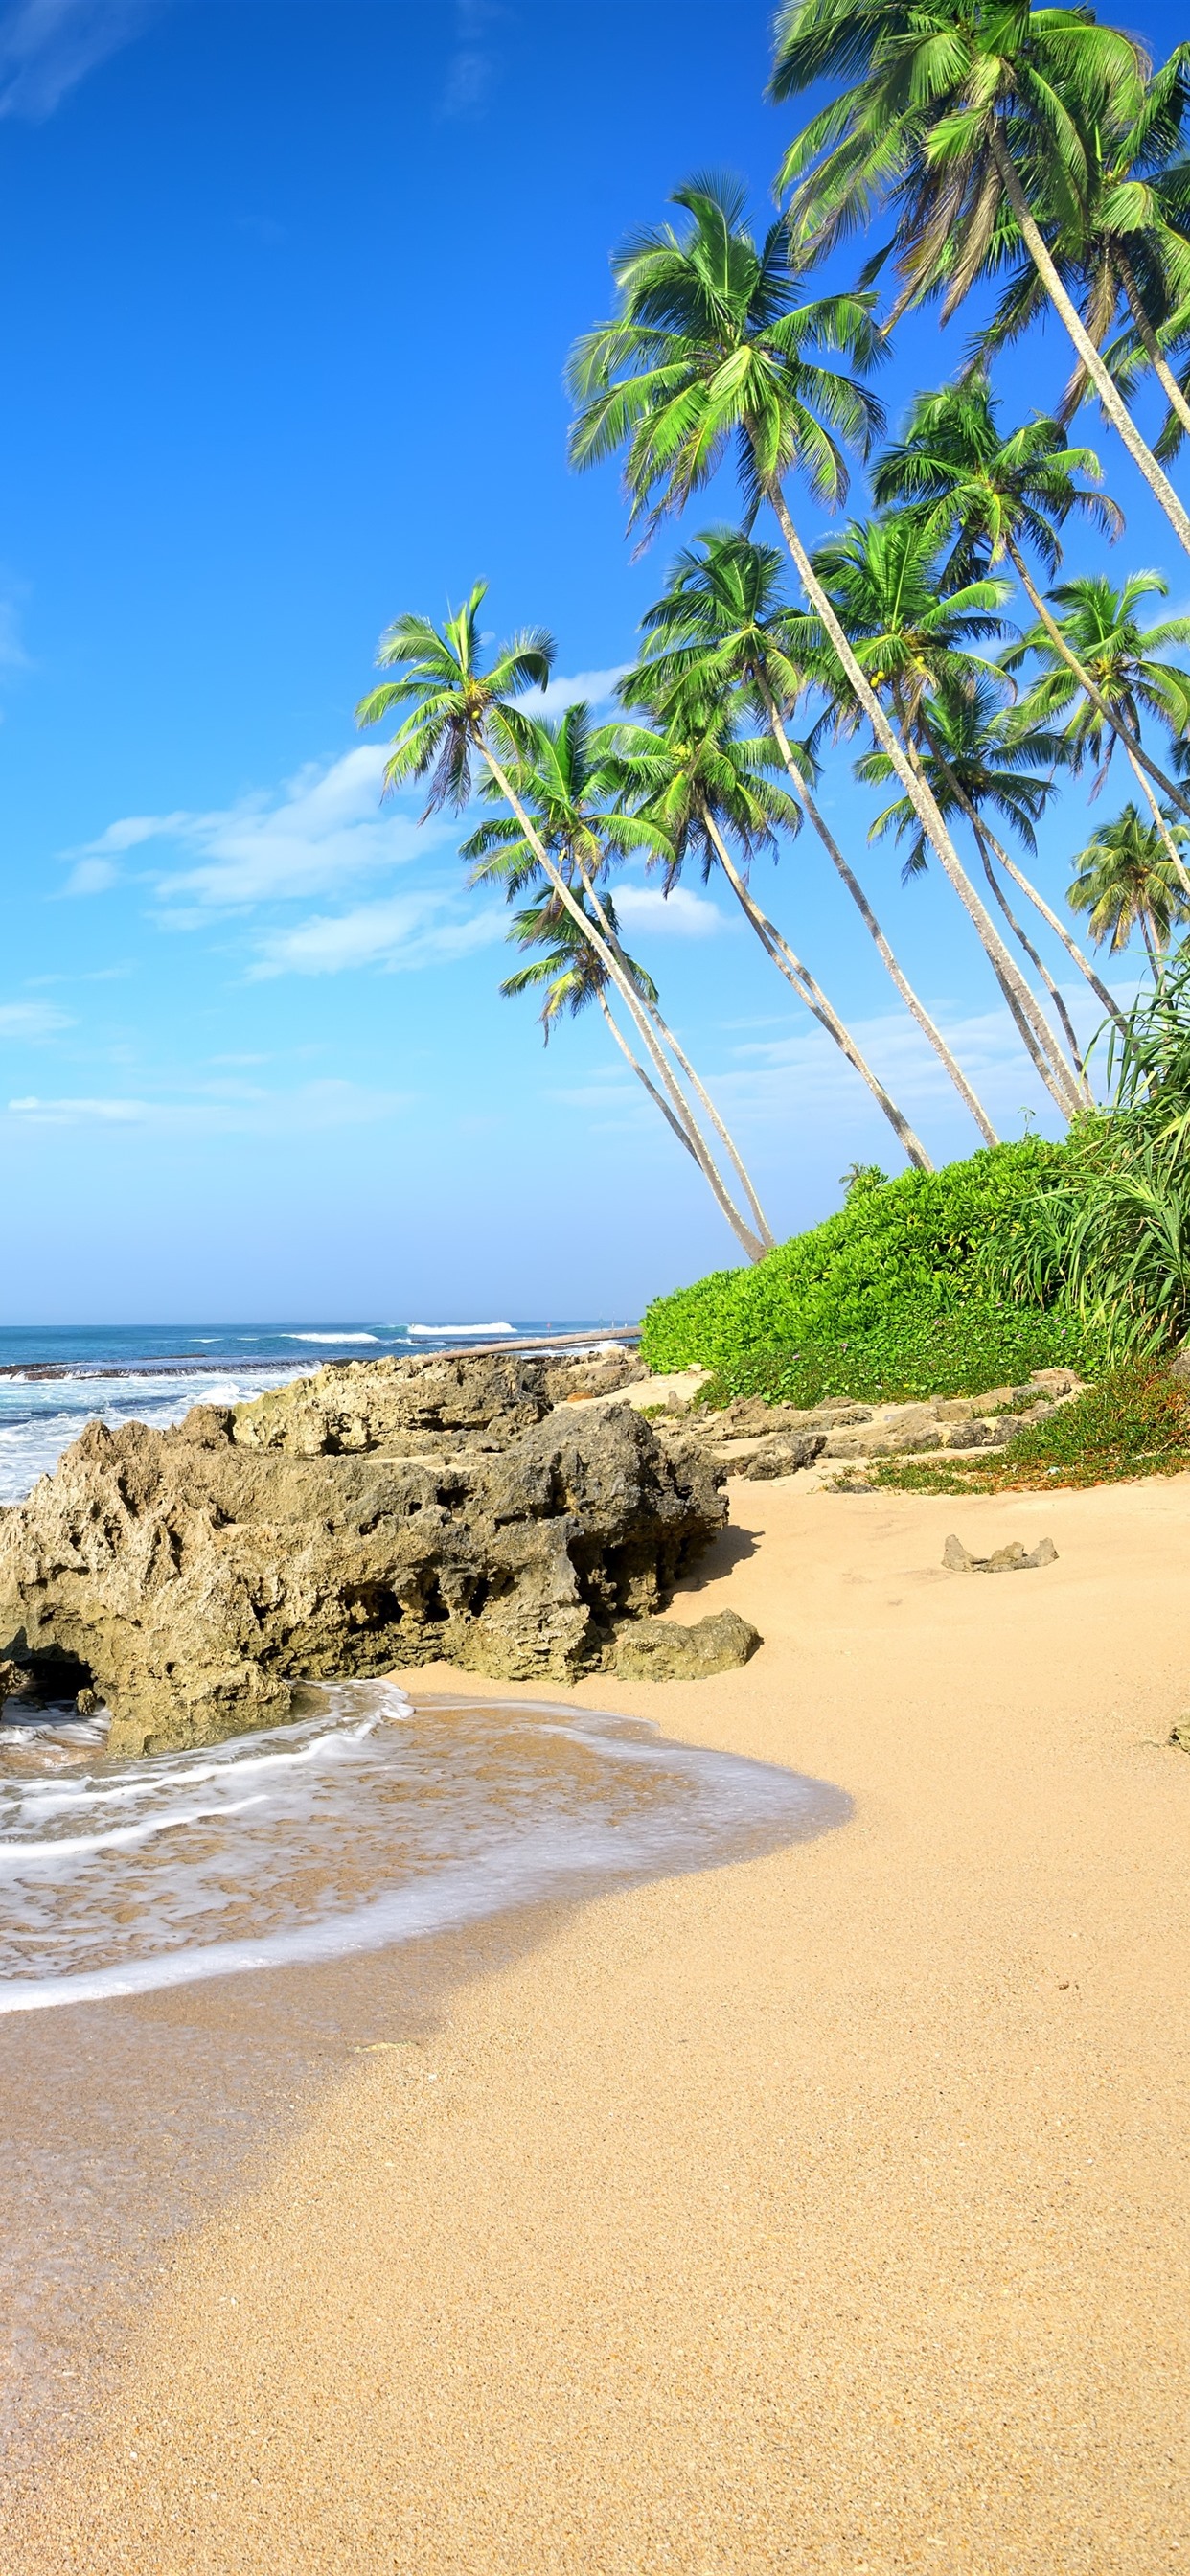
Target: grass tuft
<point x="1135" y="1423"/>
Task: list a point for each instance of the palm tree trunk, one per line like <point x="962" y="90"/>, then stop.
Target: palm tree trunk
<point x="1038" y="1036"/>
<point x="642" y="1076"/>
<point x="1149" y="341"/>
<point x="752" y="1243"/>
<point x="1171" y="848"/>
<point x="1067" y="311"/>
<point x="987" y="844"/>
<point x="675" y="1050"/>
<point x="1073" y="951"/>
<point x="815" y="1000"/>
<point x="917" y="788"/>
<point x="916" y="1007"/>
<point x="1063" y="649"/>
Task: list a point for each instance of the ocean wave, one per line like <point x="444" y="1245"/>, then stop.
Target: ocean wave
<point x="428" y="1816"/>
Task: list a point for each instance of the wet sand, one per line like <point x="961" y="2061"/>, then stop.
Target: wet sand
<point x="823" y="2213"/>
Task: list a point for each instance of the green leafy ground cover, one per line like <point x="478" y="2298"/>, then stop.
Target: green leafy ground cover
<point x="1135" y="1422"/>
<point x="909" y="1354"/>
<point x="889" y="1299"/>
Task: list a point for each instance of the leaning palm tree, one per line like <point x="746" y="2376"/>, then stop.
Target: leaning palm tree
<point x="1124" y="882"/>
<point x="977" y="770"/>
<point x="568" y="977"/>
<point x="453" y="713"/>
<point x="561" y="773"/>
<point x="970" y="119"/>
<point x="992" y="496"/>
<point x="915" y="640"/>
<point x="723" y="622"/>
<point x="1131" y="679"/>
<point x="712" y="348"/>
<point x="1121" y="243"/>
<point x="695" y="777"/>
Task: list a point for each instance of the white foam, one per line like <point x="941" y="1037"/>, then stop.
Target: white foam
<point x="328" y="1337"/>
<point x="355" y="1833"/>
<point x="466" y="1329"/>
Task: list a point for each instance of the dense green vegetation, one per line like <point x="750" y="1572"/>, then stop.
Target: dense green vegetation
<point x="889" y="1298"/>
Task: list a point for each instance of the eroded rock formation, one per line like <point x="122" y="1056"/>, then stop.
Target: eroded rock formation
<point x="377" y="1514"/>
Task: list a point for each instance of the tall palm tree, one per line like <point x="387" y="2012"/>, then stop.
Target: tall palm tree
<point x="1125" y="882"/>
<point x="970" y="118"/>
<point x="561" y="773"/>
<point x="977" y="769"/>
<point x="569" y="977"/>
<point x="700" y="781"/>
<point x="1130" y="677"/>
<point x="454" y="712"/>
<point x="993" y="495"/>
<point x="712" y="348"/>
<point x="915" y="641"/>
<point x="723" y="621"/>
<point x="1121" y="242"/>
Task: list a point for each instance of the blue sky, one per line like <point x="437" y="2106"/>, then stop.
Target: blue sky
<point x="288" y="290"/>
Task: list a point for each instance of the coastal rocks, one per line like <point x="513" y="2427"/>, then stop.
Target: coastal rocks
<point x="783" y="1456"/>
<point x="374" y="1515"/>
<point x="1005" y="1560"/>
<point x="658" y="1650"/>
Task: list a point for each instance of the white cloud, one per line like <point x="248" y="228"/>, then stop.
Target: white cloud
<point x="595" y="688"/>
<point x="683" y="913"/>
<point x="32" y="1020"/>
<point x="313" y="1107"/>
<point x="473" y="61"/>
<point x="63" y="1113"/>
<point x="401" y="933"/>
<point x="322" y="830"/>
<point x="47" y="46"/>
<point x="91" y="876"/>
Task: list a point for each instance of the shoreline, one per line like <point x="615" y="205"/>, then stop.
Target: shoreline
<point x="823" y="2212"/>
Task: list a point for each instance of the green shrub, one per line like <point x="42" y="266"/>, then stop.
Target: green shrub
<point x="908" y="1249"/>
<point x="911" y="1354"/>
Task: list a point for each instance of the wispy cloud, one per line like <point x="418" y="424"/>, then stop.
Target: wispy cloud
<point x="399" y="934"/>
<point x="322" y="830"/>
<point x="48" y="46"/>
<point x="682" y="914"/>
<point x="32" y="1020"/>
<point x="472" y="62"/>
<point x="312" y="1108"/>
<point x="597" y="688"/>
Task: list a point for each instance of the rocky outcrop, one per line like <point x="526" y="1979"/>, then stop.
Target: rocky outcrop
<point x="377" y="1514"/>
<point x="659" y="1650"/>
<point x="1011" y="1559"/>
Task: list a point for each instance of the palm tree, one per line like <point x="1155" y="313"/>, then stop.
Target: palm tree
<point x="1123" y="661"/>
<point x="971" y="119"/>
<point x="1122" y="241"/>
<point x="569" y="976"/>
<point x="697" y="779"/>
<point x="454" y="712"/>
<point x="1125" y="882"/>
<point x="710" y="347"/>
<point x="724" y="623"/>
<point x="914" y="642"/>
<point x="561" y="774"/>
<point x="976" y="768"/>
<point x="994" y="495"/>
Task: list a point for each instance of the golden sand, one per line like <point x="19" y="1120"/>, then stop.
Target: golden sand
<point x="824" y="2213"/>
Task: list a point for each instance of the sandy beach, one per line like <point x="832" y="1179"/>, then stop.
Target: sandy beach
<point x="822" y="2213"/>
